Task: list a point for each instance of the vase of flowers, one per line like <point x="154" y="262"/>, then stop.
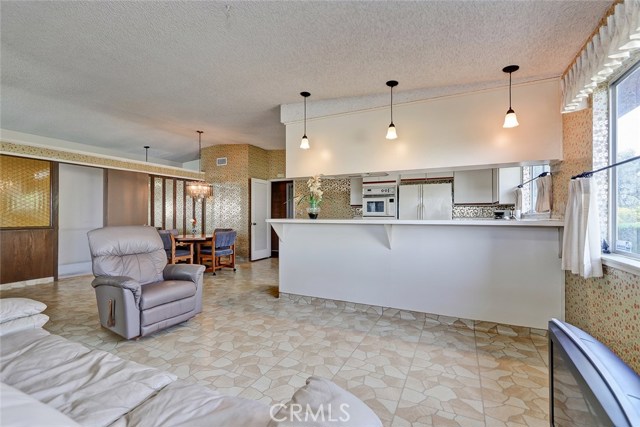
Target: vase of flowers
<point x="193" y="226"/>
<point x="314" y="196"/>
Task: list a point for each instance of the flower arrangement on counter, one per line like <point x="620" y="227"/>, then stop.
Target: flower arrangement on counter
<point x="315" y="196"/>
<point x="193" y="225"/>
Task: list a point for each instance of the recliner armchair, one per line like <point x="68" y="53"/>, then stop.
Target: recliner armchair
<point x="137" y="292"/>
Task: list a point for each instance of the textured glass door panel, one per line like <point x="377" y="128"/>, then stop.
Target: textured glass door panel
<point x="157" y="202"/>
<point x="180" y="206"/>
<point x="168" y="203"/>
<point x="25" y="192"/>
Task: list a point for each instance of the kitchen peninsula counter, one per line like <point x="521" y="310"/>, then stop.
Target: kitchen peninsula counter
<point x="503" y="271"/>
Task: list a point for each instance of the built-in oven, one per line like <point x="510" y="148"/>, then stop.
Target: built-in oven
<point x="379" y="201"/>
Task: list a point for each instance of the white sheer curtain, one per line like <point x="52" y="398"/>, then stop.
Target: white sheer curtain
<point x="543" y="196"/>
<point x="607" y="50"/>
<point x="581" y="242"/>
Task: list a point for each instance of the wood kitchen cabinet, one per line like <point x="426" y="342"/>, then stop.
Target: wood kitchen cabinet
<point x="486" y="186"/>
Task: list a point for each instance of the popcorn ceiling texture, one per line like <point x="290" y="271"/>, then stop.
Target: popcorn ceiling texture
<point x="184" y="64"/>
<point x="606" y="307"/>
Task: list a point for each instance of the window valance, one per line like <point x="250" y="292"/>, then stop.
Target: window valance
<point x="613" y="45"/>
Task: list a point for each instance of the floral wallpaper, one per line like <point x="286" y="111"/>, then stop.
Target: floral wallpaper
<point x="608" y="307"/>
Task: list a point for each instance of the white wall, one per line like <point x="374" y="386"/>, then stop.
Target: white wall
<point x="80" y="210"/>
<point x="449" y="132"/>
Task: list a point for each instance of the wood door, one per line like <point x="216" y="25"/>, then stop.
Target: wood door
<point x="279" y="209"/>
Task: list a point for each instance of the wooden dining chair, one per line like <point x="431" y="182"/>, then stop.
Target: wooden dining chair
<point x="220" y="251"/>
<point x="176" y="251"/>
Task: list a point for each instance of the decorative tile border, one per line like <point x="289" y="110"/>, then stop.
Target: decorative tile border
<point x="474" y="325"/>
<point x="87" y="159"/>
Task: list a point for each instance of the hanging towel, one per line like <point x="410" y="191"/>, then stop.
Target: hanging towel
<point x="518" y="206"/>
<point x="543" y="199"/>
<point x="581" y="241"/>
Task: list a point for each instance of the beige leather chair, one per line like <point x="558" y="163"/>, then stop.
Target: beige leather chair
<point x="137" y="292"/>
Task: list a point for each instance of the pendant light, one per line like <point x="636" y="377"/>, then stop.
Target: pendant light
<point x="304" y="143"/>
<point x="146" y="153"/>
<point x="510" y="120"/>
<point x="391" y="132"/>
<point x="199" y="189"/>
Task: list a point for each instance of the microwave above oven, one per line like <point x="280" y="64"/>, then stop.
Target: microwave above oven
<point x="379" y="202"/>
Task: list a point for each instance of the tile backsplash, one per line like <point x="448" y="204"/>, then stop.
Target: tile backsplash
<point x="478" y="211"/>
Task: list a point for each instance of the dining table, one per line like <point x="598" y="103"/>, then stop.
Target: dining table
<point x="196" y="239"/>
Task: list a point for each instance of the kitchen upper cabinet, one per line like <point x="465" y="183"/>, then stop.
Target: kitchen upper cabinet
<point x="475" y="186"/>
<point x="508" y="180"/>
<point x="356" y="192"/>
<point x="486" y="186"/>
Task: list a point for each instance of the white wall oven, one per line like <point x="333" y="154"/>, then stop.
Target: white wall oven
<point x="379" y="201"/>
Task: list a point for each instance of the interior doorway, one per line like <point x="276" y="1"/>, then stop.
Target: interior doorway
<point x="260" y="212"/>
<point x="281" y="207"/>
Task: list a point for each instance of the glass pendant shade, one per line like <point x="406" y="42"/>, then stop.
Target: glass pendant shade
<point x="510" y="120"/>
<point x="304" y="144"/>
<point x="391" y="132"/>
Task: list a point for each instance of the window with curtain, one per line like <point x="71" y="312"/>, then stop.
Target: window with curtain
<point x="625" y="179"/>
<point x="530" y="191"/>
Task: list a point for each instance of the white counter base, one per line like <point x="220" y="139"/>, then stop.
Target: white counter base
<point x="499" y="274"/>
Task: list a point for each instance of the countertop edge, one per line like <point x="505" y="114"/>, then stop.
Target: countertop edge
<point x="467" y="222"/>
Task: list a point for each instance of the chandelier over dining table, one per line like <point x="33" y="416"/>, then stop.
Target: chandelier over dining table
<point x="199" y="190"/>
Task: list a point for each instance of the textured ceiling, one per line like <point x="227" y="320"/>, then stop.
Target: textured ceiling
<point x="127" y="74"/>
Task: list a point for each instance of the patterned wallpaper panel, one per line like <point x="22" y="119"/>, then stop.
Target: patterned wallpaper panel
<point x="277" y="164"/>
<point x="577" y="154"/>
<point x="25" y="192"/>
<point x="609" y="309"/>
<point x="230" y="203"/>
<point x="335" y="200"/>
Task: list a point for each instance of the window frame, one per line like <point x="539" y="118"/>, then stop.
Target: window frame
<point x="613" y="174"/>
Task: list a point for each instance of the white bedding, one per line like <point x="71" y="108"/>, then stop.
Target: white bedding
<point x="95" y="388"/>
<point x="92" y="387"/>
<point x="184" y="404"/>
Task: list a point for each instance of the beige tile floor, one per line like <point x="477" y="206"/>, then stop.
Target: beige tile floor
<point x="409" y="368"/>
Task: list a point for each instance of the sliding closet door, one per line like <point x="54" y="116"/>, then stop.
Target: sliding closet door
<point x="80" y="210"/>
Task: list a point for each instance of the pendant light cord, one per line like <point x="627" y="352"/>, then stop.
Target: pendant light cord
<point x="391" y="104"/>
<point x="510" y="91"/>
<point x="305" y="116"/>
<point x="199" y="150"/>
